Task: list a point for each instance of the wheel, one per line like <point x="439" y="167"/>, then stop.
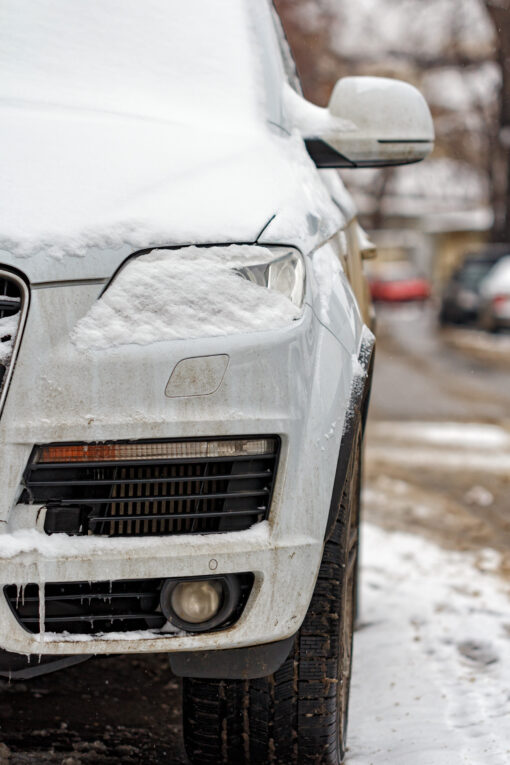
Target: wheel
<point x="298" y="714"/>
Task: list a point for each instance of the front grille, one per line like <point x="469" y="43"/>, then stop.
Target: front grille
<point x="10" y="314"/>
<point x="182" y="495"/>
<point x="93" y="608"/>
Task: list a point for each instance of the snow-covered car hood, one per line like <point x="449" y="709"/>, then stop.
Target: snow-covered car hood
<point x="81" y="190"/>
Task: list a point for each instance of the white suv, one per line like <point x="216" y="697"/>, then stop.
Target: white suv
<point x="186" y="358"/>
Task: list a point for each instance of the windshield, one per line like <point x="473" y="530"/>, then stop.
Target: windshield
<point x="159" y="59"/>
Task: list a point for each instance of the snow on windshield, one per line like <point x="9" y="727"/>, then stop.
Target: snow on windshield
<point x="151" y="58"/>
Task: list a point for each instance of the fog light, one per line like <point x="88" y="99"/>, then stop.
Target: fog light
<point x="198" y="605"/>
<point x="196" y="602"/>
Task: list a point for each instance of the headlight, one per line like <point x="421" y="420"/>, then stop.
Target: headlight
<point x="285" y="274"/>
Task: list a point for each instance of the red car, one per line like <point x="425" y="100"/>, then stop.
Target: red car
<point x="399" y="282"/>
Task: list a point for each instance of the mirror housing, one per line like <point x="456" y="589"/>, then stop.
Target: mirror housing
<point x="370" y="122"/>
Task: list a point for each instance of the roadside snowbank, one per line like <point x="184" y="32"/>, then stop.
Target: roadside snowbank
<point x="440" y="445"/>
<point x="461" y="435"/>
<point x="432" y="656"/>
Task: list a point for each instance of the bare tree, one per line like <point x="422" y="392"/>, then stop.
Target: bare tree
<point x="499" y="11"/>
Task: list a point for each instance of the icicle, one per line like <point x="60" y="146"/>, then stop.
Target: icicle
<point x="42" y="611"/>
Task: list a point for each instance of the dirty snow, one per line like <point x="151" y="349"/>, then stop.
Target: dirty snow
<point x="186" y="293"/>
<point x="492" y="347"/>
<point x="432" y="656"/>
<point x="21" y="544"/>
<point x="442" y="446"/>
<point x="461" y="435"/>
<point x="8" y="329"/>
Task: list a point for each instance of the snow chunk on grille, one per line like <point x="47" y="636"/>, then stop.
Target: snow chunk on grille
<point x="8" y="329"/>
<point x="181" y="294"/>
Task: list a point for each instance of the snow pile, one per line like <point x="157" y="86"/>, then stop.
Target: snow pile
<point x="183" y="294"/>
<point x="8" y="329"/>
<point x="431" y="657"/>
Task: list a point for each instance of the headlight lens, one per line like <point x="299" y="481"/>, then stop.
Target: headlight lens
<point x="285" y="274"/>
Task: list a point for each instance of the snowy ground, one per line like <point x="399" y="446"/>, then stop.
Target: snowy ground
<point x="432" y="656"/>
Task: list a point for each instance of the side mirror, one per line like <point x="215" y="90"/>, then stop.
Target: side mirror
<point x="370" y="122"/>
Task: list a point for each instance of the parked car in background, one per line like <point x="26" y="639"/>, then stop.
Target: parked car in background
<point x="494" y="311"/>
<point x="398" y="282"/>
<point x="187" y="358"/>
<point x="460" y="300"/>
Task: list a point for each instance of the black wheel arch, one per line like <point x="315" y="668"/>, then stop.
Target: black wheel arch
<point x="356" y="415"/>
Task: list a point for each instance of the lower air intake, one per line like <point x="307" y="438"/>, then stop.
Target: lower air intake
<point x="153" y="489"/>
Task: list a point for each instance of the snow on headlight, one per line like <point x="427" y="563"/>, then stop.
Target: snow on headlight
<point x="194" y="292"/>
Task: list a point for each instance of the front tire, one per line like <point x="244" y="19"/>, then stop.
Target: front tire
<point x="298" y="714"/>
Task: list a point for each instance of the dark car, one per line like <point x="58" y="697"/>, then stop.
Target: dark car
<point x="460" y="301"/>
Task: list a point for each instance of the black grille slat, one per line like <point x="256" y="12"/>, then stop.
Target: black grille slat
<point x="163" y="516"/>
<point x="153" y="497"/>
<point x="173" y="497"/>
<point x="99" y="607"/>
<point x="154" y="481"/>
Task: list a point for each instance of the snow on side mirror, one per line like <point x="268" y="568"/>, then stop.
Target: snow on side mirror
<point x="370" y="122"/>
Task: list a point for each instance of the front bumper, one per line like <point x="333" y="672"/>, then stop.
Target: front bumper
<point x="285" y="572"/>
<point x="294" y="383"/>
